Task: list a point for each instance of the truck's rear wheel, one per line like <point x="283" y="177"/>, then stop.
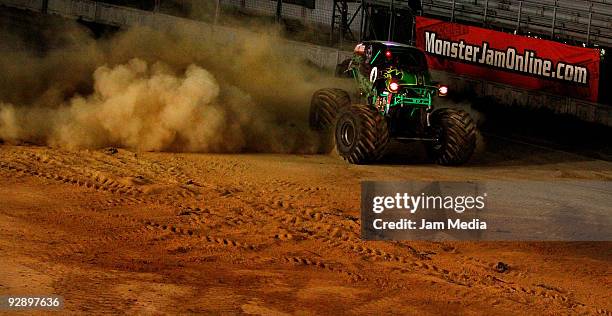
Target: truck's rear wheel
<point x="361" y="134"/>
<point x="456" y="134"/>
<point x="324" y="108"/>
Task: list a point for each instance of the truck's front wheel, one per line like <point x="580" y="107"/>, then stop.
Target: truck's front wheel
<point x="361" y="134"/>
<point x="456" y="137"/>
<point x="324" y="108"/>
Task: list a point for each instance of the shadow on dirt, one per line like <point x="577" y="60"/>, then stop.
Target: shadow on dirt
<point x="515" y="137"/>
<point x="499" y="151"/>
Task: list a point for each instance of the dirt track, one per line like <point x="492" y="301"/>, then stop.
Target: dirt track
<point x="265" y="234"/>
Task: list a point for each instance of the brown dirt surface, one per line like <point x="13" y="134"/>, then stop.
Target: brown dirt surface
<point x="149" y="233"/>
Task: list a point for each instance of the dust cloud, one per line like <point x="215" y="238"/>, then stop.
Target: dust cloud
<point x="150" y="90"/>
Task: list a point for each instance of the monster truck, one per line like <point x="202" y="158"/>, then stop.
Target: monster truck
<point x="396" y="101"/>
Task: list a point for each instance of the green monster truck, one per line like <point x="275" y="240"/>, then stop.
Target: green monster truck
<point x="396" y="101"/>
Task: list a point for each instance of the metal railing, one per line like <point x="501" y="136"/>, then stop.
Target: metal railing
<point x="575" y="22"/>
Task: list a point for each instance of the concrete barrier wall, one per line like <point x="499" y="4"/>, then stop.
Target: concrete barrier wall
<point x="34" y="5"/>
<point x="324" y="57"/>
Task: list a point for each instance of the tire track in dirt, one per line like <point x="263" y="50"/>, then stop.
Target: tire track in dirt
<point x="280" y="208"/>
<point x="181" y="231"/>
<point x="240" y="215"/>
<point x="90" y="294"/>
<point x="299" y="223"/>
<point x="332" y="267"/>
<point x="112" y="173"/>
<point x="91" y="223"/>
<point x="335" y="237"/>
<point x="281" y="212"/>
<point x="95" y="182"/>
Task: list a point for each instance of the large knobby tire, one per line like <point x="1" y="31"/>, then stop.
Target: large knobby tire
<point x="324" y="108"/>
<point x="456" y="133"/>
<point x="361" y="134"/>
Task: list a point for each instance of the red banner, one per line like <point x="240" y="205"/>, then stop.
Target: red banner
<point x="519" y="61"/>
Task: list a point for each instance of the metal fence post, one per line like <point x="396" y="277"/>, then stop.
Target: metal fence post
<point x="279" y="10"/>
<point x="344" y="24"/>
<point x="588" y="39"/>
<point x="518" y="20"/>
<point x="333" y="23"/>
<point x="390" y="20"/>
<point x="96" y="11"/>
<point x="413" y="30"/>
<point x="217" y="11"/>
<point x="486" y="8"/>
<point x="552" y="30"/>
<point x="361" y="31"/>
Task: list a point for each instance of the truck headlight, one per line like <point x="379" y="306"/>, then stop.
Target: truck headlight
<point x="393" y="87"/>
<point x="442" y="91"/>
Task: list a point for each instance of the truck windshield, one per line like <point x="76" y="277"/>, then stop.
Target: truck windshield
<point x="409" y="59"/>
